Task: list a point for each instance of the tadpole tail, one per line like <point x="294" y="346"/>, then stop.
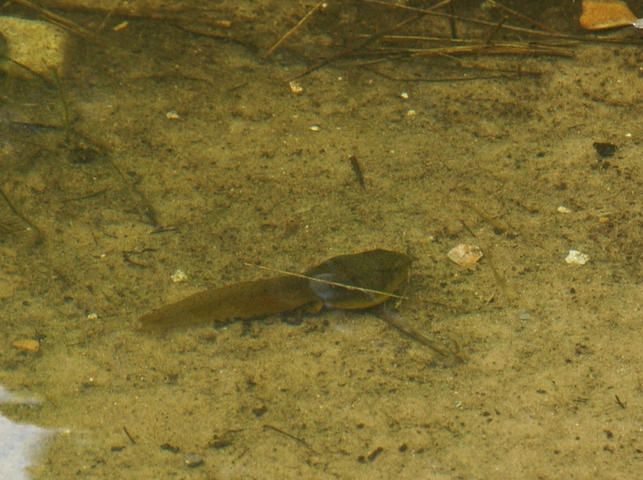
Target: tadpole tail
<point x="241" y="301"/>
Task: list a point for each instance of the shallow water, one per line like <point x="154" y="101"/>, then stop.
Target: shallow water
<point x="20" y="444"/>
<point x="235" y="175"/>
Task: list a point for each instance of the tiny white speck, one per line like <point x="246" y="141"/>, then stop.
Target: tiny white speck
<point x="315" y="128"/>
<point x="172" y="115"/>
<point x="563" y="209"/>
<point x="404" y="95"/>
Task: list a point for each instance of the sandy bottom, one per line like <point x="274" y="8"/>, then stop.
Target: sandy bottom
<point x="235" y="175"/>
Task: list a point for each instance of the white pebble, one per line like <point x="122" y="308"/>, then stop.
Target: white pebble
<point x="179" y="276"/>
<point x="576" y="258"/>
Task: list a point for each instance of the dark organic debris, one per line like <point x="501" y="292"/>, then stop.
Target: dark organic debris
<point x="605" y="149"/>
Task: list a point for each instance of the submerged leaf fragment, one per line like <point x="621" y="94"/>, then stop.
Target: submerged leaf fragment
<point x="604" y="14"/>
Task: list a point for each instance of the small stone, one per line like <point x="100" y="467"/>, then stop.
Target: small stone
<point x="296" y="88"/>
<point x="576" y="258"/>
<point x="315" y="128"/>
<point x="563" y="209"/>
<point x="179" y="276"/>
<point x="193" y="460"/>
<point x="465" y="255"/>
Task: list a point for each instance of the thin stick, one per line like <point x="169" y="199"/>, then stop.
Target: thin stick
<point x="144" y="208"/>
<point x="495" y="30"/>
<point x="522" y="17"/>
<point x="474" y="41"/>
<point x="509" y="291"/>
<point x="335" y="284"/>
<point x="452" y="79"/>
<point x="56" y="79"/>
<point x="373" y="38"/>
<point x="290" y="435"/>
<point x="292" y="30"/>
<point x="496" y="224"/>
<point x="447" y="355"/>
<point x="131" y="439"/>
<point x="496" y="49"/>
<point x="109" y="15"/>
<point x="547" y="34"/>
<point x="68" y="24"/>
<point x="430" y="12"/>
<point x="39" y="236"/>
<point x="452" y="24"/>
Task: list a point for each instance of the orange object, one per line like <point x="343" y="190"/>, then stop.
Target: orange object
<point x="604" y="14"/>
<point x="31" y="345"/>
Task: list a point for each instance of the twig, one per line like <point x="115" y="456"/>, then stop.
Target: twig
<point x="374" y="38"/>
<point x="68" y="24"/>
<point x="39" y="235"/>
<point x="327" y="282"/>
<point x="292" y="30"/>
<point x="303" y="442"/>
<point x="109" y="15"/>
<point x="508" y="289"/>
<point x="131" y="439"/>
<point x="528" y="31"/>
<point x="56" y="79"/>
<point x="495" y="30"/>
<point x="522" y="17"/>
<point x="497" y="49"/>
<point x="447" y="355"/>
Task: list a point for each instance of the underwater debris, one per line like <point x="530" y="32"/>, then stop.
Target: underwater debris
<point x="605" y="14"/>
<point x="574" y="257"/>
<point x="464" y="255"/>
<point x="27" y="344"/>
